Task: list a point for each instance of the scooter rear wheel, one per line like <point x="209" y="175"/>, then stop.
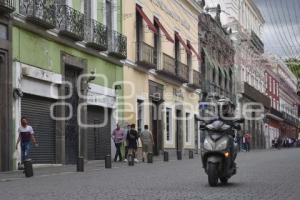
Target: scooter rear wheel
<point x="212" y="172"/>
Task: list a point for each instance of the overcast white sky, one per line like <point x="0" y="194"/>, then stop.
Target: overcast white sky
<point x="282" y="29"/>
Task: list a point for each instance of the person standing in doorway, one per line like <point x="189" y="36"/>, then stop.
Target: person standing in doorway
<point x="118" y="137"/>
<point x="26" y="137"/>
<point x="132" y="140"/>
<point x="147" y="142"/>
<point x="247" y="141"/>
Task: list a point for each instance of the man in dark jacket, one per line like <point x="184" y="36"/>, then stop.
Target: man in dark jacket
<point x="132" y="141"/>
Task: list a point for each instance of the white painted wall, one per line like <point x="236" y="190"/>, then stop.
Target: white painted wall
<point x="241" y="11"/>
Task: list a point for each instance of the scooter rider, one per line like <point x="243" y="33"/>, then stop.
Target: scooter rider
<point x="219" y="151"/>
<point x="226" y="112"/>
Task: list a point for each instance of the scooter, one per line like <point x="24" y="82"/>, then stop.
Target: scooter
<point x="218" y="151"/>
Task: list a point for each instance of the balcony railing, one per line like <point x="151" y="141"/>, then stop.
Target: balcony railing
<point x="146" y="57"/>
<point x="275" y="112"/>
<point x="7" y="6"/>
<point x="70" y="22"/>
<point x="255" y="95"/>
<point x="196" y="81"/>
<point x="168" y="66"/>
<point x="182" y="72"/>
<point x="256" y="41"/>
<point x="40" y="12"/>
<point x="95" y="35"/>
<point x="118" y="44"/>
<point x="290" y="119"/>
<point x="212" y="89"/>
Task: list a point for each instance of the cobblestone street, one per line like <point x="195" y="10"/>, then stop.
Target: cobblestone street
<point x="264" y="175"/>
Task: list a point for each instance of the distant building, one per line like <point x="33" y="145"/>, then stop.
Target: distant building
<point x="218" y="53"/>
<point x="282" y="89"/>
<point x="162" y="71"/>
<point x="246" y="23"/>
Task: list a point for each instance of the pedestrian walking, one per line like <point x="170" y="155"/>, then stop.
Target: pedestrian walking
<point x="126" y="143"/>
<point x="279" y="142"/>
<point x="237" y="140"/>
<point x="247" y="141"/>
<point x="26" y="137"/>
<point x="132" y="139"/>
<point x="118" y="137"/>
<point x="147" y="142"/>
<point x="243" y="143"/>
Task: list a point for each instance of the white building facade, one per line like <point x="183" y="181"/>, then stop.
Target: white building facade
<point x="246" y="23"/>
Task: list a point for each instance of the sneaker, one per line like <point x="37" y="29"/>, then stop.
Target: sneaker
<point x="125" y="160"/>
<point x="136" y="160"/>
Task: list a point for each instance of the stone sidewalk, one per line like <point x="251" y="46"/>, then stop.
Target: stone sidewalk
<point x="59" y="169"/>
<point x="90" y="166"/>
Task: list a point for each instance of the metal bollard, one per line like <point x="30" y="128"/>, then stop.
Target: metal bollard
<point x="130" y="160"/>
<point x="166" y="156"/>
<point x="108" y="162"/>
<point x="191" y="154"/>
<point x="28" y="169"/>
<point x="179" y="155"/>
<point x="149" y="158"/>
<point x="80" y="164"/>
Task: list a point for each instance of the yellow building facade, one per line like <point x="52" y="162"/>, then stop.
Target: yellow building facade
<point x="161" y="73"/>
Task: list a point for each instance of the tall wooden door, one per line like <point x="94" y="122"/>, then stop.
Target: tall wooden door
<point x="71" y="125"/>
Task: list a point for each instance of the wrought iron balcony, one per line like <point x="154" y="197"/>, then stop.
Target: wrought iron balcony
<point x="70" y="22"/>
<point x="168" y="67"/>
<point x="40" y="12"/>
<point x="117" y="44"/>
<point x="196" y="82"/>
<point x="213" y="89"/>
<point x="256" y="41"/>
<point x="182" y="72"/>
<point x="146" y="57"/>
<point x="95" y="35"/>
<point x="274" y="112"/>
<point x="255" y="95"/>
<point x="290" y="119"/>
<point x="7" y="6"/>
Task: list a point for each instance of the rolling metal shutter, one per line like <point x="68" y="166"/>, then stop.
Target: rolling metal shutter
<point x="99" y="139"/>
<point x="37" y="111"/>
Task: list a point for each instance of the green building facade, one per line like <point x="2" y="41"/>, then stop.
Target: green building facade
<point x="67" y="59"/>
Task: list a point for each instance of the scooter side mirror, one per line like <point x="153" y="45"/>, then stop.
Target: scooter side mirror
<point x="242" y="120"/>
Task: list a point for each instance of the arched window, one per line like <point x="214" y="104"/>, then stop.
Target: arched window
<point x="243" y="74"/>
<point x="203" y="62"/>
<point x="220" y="77"/>
<point x="226" y="81"/>
<point x="230" y="81"/>
<point x="214" y="75"/>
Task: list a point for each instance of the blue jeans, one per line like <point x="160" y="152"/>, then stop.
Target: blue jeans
<point x="25" y="150"/>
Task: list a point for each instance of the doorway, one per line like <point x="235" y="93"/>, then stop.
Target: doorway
<point x="179" y="139"/>
<point x="197" y="135"/>
<point x="71" y="125"/>
<point x="99" y="138"/>
<point x="156" y="127"/>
